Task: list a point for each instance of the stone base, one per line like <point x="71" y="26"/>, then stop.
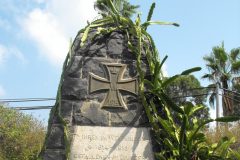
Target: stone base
<point x="111" y="143"/>
<point x="51" y="154"/>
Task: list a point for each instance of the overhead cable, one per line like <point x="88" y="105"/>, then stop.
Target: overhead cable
<point x="32" y="108"/>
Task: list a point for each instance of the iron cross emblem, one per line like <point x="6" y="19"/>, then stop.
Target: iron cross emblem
<point x="112" y="85"/>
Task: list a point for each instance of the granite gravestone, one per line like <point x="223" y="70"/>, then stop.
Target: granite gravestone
<point x="100" y="103"/>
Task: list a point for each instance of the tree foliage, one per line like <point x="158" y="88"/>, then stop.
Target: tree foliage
<point x="223" y="68"/>
<point x="187" y="88"/>
<point x="122" y="6"/>
<point x="21" y="135"/>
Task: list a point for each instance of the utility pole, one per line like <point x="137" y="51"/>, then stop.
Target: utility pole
<point x="217" y="105"/>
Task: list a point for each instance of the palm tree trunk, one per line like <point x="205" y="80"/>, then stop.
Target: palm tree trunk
<point x="226" y="105"/>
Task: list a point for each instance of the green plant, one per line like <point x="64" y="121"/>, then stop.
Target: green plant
<point x="214" y="136"/>
<point x="188" y="141"/>
<point x="21" y="135"/>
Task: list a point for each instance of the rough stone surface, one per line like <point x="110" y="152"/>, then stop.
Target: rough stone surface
<point x="56" y="137"/>
<point x="78" y="106"/>
<point x="75" y="88"/>
<point x="54" y="155"/>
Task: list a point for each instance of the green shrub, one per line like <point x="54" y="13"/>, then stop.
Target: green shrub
<point x="21" y="135"/>
<point x="232" y="131"/>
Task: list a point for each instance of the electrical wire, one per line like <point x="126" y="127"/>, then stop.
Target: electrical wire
<point x="192" y="89"/>
<point x="197" y="95"/>
<point x="52" y="99"/>
<point x="230" y="91"/>
<point x="26" y="100"/>
<point x="32" y="108"/>
<point x="229" y="97"/>
<point x="236" y="94"/>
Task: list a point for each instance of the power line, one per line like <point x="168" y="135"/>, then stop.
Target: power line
<point x="26" y="100"/>
<point x="52" y="99"/>
<point x="230" y="91"/>
<point x="229" y="97"/>
<point x="197" y="95"/>
<point x="49" y="107"/>
<point x="32" y="108"/>
<point x="235" y="93"/>
<point x="192" y="89"/>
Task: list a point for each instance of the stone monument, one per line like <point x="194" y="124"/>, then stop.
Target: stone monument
<point x="104" y="117"/>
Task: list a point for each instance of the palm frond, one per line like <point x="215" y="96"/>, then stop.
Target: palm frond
<point x="123" y="7"/>
<point x="235" y="67"/>
<point x="212" y="66"/>
<point x="101" y="7"/>
<point x="128" y="10"/>
<point x="235" y="54"/>
<point x="220" y="54"/>
<point x="209" y="59"/>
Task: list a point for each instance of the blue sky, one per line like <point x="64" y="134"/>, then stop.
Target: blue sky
<point x="35" y="36"/>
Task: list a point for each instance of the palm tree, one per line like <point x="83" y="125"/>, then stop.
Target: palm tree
<point x="122" y="6"/>
<point x="223" y="68"/>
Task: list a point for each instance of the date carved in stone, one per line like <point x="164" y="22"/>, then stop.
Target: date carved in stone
<point x="113" y="84"/>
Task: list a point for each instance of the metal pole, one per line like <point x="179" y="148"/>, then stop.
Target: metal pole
<point x="217" y="104"/>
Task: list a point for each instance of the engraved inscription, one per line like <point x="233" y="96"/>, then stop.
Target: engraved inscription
<point x="111" y="143"/>
<point x="112" y="84"/>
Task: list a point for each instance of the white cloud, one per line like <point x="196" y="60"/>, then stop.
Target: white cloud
<point x="50" y="39"/>
<point x="3" y="52"/>
<point x="39" y="1"/>
<point x="51" y="28"/>
<point x="72" y="16"/>
<point x="13" y="51"/>
<point x="4" y="24"/>
<point x="2" y="91"/>
<point x="6" y="52"/>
